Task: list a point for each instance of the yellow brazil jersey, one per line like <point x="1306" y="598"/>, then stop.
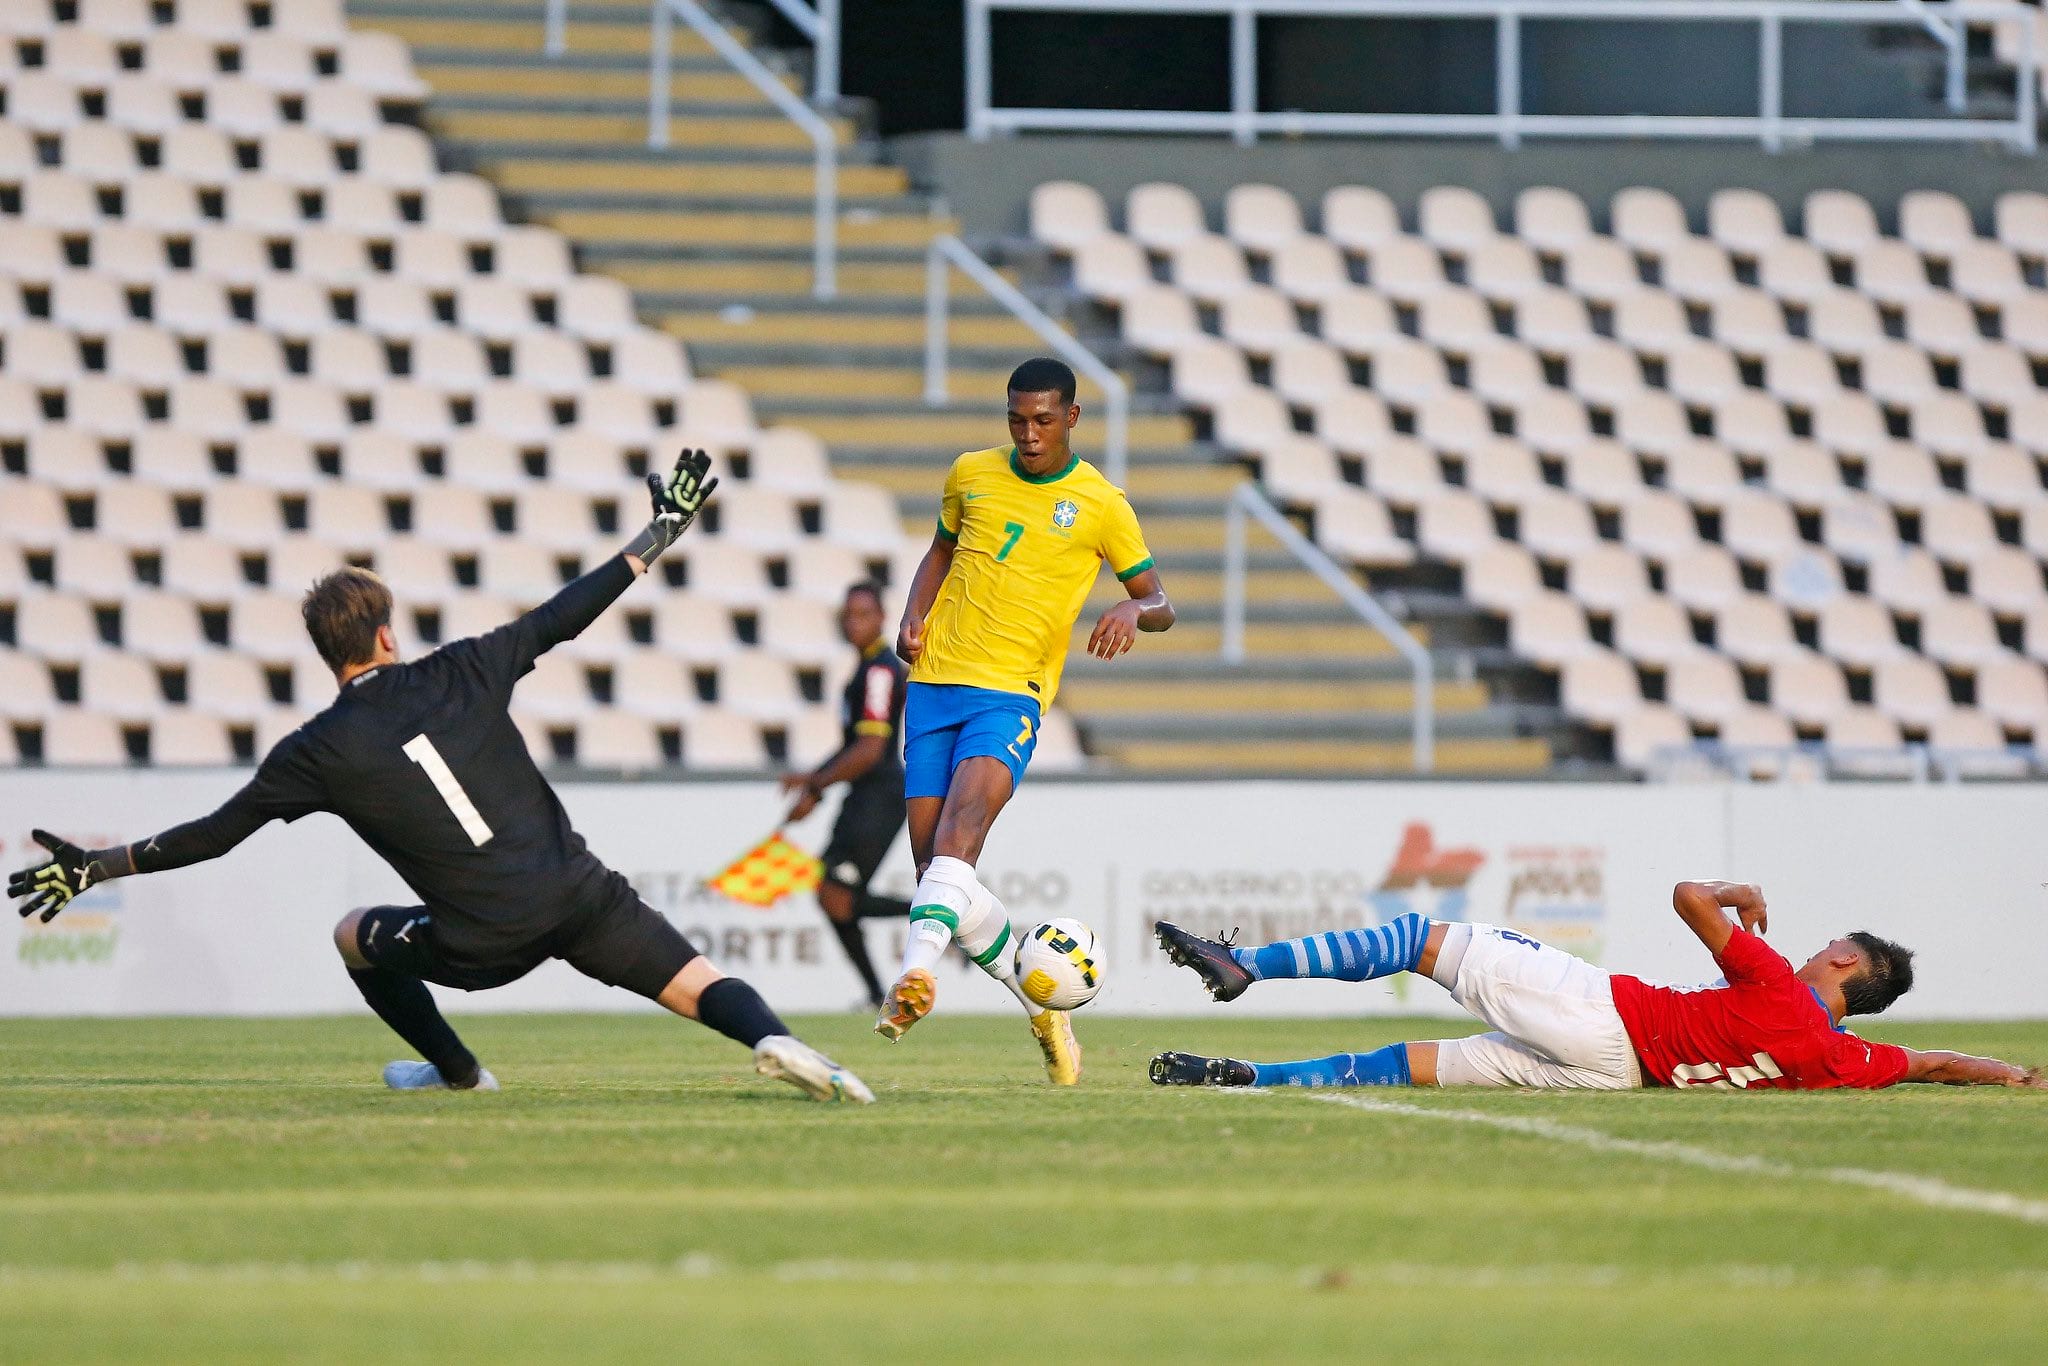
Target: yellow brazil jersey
<point x="1026" y="552"/>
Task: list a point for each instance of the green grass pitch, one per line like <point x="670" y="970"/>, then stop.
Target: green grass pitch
<point x="221" y="1191"/>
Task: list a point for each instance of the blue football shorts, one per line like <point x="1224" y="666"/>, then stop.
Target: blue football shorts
<point x="946" y="723"/>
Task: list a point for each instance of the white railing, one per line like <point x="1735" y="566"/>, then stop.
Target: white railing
<point x="1915" y="763"/>
<point x="824" y="137"/>
<point x="820" y="25"/>
<point x="1954" y="37"/>
<point x="1249" y="502"/>
<point x="949" y="250"/>
<point x="1245" y="121"/>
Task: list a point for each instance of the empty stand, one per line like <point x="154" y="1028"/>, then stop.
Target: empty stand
<point x="1782" y="475"/>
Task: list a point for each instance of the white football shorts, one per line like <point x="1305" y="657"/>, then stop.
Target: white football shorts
<point x="1554" y="1019"/>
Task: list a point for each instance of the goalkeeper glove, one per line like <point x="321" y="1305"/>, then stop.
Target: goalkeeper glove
<point x="677" y="498"/>
<point x="49" y="887"/>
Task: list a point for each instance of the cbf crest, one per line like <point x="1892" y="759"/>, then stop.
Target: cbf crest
<point x="1064" y="514"/>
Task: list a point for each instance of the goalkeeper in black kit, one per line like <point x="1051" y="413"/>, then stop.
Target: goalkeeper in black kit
<point x="422" y="760"/>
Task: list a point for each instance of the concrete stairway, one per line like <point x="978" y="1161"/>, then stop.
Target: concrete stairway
<point x="713" y="235"/>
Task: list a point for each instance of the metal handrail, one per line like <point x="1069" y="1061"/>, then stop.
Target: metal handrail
<point x="555" y="28"/>
<point x="1918" y="761"/>
<point x="1248" y="501"/>
<point x="937" y="313"/>
<point x="820" y="25"/>
<point x="824" y="139"/>
<point x="1954" y="36"/>
<point x="1509" y="123"/>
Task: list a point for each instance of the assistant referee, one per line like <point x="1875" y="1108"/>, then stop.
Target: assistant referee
<point x="870" y="762"/>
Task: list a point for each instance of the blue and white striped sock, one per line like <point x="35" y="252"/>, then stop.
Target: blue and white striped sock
<point x="1348" y="955"/>
<point x="1382" y="1067"/>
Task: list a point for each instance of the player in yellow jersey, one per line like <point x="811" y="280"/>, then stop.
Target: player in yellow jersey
<point x="1023" y="531"/>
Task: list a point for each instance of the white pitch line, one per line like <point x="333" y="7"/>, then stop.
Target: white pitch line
<point x="1921" y="1190"/>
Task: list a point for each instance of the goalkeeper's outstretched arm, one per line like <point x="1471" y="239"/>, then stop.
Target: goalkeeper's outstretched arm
<point x="677" y="497"/>
<point x="70" y="871"/>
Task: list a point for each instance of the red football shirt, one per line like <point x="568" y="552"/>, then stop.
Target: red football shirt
<point x="1765" y="1028"/>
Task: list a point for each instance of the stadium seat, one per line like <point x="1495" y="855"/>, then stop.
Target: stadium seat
<point x="1260" y="218"/>
<point x="715" y="738"/>
<point x="186" y="738"/>
<point x="2014" y="691"/>
<point x="1065" y="213"/>
<point x="1455" y="218"/>
<point x="1706" y="689"/>
<point x="1648" y="220"/>
<point x="1961" y="634"/>
<point x="1354" y="525"/>
<point x="614" y="739"/>
<point x="1309" y="269"/>
<point x="655" y="685"/>
<point x="1551" y="219"/>
<point x="1501" y="577"/>
<point x="1160" y="216"/>
<point x="1405" y="269"/>
<point x="1359" y="219"/>
<point x="2007" y="580"/>
<point x="1746" y="222"/>
<point x="1704" y="578"/>
<point x="1549" y="628"/>
<point x="1808" y="688"/>
<point x="1839" y="223"/>
<point x="72" y="738"/>
<point x="1911" y="690"/>
<point x="1649" y="735"/>
<point x="1756" y="630"/>
<point x="1600" y="687"/>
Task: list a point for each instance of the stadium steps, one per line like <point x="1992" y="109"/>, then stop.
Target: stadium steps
<point x="713" y="235"/>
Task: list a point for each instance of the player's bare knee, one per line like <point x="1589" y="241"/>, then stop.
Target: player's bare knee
<point x="345" y="941"/>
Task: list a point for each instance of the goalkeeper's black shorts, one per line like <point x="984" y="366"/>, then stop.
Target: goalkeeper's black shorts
<point x="622" y="943"/>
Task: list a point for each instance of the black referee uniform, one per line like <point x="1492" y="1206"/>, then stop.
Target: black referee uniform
<point x="871" y="815"/>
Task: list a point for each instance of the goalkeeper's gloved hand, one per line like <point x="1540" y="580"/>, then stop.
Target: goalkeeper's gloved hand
<point x="49" y="887"/>
<point x="678" y="496"/>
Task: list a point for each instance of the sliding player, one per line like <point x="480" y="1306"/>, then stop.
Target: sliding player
<point x="869" y="761"/>
<point x="424" y="763"/>
<point x="1561" y="1023"/>
<point x="1022" y="530"/>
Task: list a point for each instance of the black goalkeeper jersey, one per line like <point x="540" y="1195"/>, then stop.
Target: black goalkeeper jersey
<point x="424" y="763"/>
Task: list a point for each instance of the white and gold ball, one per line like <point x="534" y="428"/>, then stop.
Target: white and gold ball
<point x="1059" y="964"/>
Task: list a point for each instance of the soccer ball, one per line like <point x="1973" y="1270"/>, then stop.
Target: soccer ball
<point x="1059" y="965"/>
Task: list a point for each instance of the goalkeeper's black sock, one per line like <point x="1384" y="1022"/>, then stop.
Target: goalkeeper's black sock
<point x="856" y="945"/>
<point x="408" y="1007"/>
<point x="737" y="1011"/>
<point x="868" y="906"/>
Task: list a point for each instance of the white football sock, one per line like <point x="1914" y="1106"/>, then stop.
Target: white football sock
<point x="942" y="901"/>
<point x="989" y="937"/>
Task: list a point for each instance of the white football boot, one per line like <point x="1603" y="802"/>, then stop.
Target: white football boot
<point x="406" y="1075"/>
<point x="804" y="1067"/>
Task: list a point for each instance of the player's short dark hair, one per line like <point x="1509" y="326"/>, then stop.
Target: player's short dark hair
<point x="1887" y="975"/>
<point x="1041" y="374"/>
<point x="343" y="612"/>
<point x="867" y="586"/>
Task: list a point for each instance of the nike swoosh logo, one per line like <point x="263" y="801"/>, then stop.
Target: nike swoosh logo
<point x="969" y="497"/>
